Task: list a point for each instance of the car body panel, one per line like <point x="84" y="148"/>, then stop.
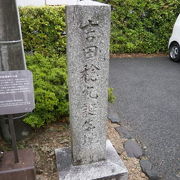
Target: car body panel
<point x="176" y="32"/>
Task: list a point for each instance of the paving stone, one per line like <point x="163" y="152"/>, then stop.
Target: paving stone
<point x="123" y="132"/>
<point x="133" y="149"/>
<point x="114" y="117"/>
<point x="146" y="167"/>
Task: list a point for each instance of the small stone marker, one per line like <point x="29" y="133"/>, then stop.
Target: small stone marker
<point x="90" y="157"/>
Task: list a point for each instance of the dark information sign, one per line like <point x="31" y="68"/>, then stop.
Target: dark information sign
<point x="16" y="92"/>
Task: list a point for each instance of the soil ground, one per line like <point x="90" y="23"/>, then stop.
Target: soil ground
<point x="44" y="141"/>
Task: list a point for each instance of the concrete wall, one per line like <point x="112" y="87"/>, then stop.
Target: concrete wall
<point x="44" y="2"/>
<point x="30" y="2"/>
<point x="60" y="2"/>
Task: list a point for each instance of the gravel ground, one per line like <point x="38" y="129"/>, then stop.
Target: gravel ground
<point x="57" y="135"/>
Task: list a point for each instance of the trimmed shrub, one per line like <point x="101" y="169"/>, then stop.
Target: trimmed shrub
<point x="43" y="30"/>
<point x="51" y="91"/>
<point x="45" y="45"/>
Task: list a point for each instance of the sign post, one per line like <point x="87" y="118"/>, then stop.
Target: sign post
<point x="13" y="138"/>
<point x="11" y="48"/>
<point x="16" y="96"/>
<point x="16" y="92"/>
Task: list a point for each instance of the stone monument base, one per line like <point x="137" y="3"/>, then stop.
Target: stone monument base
<point x="18" y="171"/>
<point x="110" y="169"/>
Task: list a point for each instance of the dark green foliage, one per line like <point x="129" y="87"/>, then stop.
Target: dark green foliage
<point x="137" y="26"/>
<point x="142" y="25"/>
<point x="43" y="30"/>
<point x="51" y="92"/>
<point x="43" y="34"/>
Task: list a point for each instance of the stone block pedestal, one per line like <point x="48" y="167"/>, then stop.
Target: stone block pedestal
<point x="110" y="169"/>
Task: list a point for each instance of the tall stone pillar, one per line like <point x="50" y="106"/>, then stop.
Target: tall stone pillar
<point x="88" y="37"/>
<point x="88" y="29"/>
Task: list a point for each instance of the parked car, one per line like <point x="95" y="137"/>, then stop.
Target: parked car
<point x="174" y="42"/>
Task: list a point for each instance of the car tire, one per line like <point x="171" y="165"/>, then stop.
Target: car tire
<point x="174" y="52"/>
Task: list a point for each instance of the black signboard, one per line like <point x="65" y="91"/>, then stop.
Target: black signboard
<point x="16" y="92"/>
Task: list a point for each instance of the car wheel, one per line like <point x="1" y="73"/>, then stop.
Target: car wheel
<point x="174" y="52"/>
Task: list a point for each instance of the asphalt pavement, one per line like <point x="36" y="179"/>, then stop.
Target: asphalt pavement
<point x="148" y="103"/>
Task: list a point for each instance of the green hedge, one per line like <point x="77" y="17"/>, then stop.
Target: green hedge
<point x="45" y="45"/>
<point x="142" y="26"/>
<point x="138" y="26"/>
<point x="43" y="30"/>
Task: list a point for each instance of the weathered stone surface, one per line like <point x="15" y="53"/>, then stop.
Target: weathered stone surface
<point x="113" y="117"/>
<point x="88" y="29"/>
<point x="123" y="132"/>
<point x="113" y="114"/>
<point x="12" y="52"/>
<point x="146" y="167"/>
<point x="133" y="149"/>
<point x="110" y="169"/>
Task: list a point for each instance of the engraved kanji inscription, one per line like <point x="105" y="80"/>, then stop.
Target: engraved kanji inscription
<point x="90" y="73"/>
<point x="90" y="52"/>
<point x="89" y="109"/>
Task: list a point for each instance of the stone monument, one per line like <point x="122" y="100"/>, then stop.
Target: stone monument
<point x="11" y="54"/>
<point x="15" y="89"/>
<point x="90" y="156"/>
